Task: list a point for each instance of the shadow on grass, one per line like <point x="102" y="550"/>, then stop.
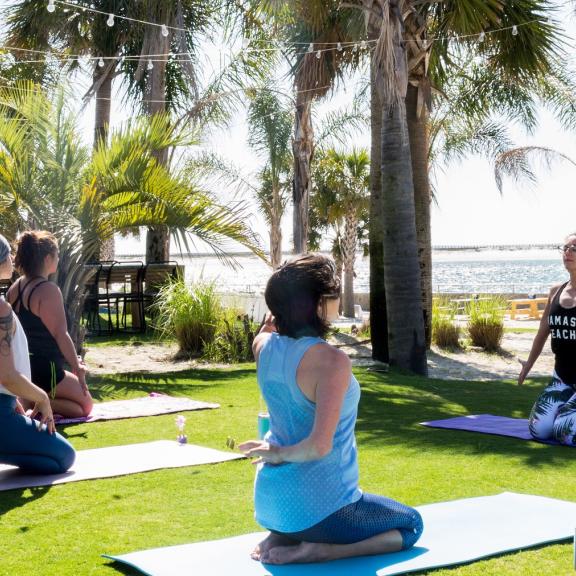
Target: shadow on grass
<point x="21" y="497"/>
<point x="393" y="405"/>
<point x="106" y="387"/>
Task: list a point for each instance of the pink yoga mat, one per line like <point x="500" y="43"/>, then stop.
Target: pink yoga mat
<point x="153" y="405"/>
<point x="119" y="461"/>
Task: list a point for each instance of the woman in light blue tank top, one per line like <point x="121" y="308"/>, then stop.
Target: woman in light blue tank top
<point x="306" y="490"/>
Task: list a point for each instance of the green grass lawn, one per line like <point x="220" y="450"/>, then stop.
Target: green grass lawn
<point x="63" y="530"/>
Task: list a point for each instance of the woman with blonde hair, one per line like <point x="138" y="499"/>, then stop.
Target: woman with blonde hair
<point x="39" y="305"/>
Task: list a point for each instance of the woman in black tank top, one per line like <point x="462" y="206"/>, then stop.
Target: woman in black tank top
<point x="554" y="413"/>
<point x="39" y="305"/>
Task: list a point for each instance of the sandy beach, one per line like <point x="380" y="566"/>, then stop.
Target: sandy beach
<point x="468" y="364"/>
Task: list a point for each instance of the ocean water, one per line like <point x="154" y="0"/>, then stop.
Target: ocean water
<point x="474" y="271"/>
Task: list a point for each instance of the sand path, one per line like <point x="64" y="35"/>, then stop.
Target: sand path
<point x="471" y="364"/>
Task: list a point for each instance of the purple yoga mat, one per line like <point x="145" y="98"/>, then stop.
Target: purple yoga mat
<point x="488" y="424"/>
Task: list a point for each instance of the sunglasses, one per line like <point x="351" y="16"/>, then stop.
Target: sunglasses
<point x="568" y="248"/>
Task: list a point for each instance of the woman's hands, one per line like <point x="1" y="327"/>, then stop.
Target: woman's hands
<point x="523" y="372"/>
<point x="262" y="451"/>
<point x="43" y="407"/>
<point x="268" y="324"/>
<point x="81" y="375"/>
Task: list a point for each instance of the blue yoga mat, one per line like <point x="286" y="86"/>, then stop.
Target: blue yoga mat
<point x="489" y="424"/>
<point x="455" y="532"/>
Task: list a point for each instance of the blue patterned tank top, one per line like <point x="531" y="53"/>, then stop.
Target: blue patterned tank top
<point x="294" y="496"/>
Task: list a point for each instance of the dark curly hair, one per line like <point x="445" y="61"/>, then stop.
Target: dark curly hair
<point x="32" y="247"/>
<point x="295" y="290"/>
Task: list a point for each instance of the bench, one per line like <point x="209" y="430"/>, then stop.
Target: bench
<point x="531" y="307"/>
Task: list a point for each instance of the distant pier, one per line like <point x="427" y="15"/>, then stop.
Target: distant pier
<point x="503" y="247"/>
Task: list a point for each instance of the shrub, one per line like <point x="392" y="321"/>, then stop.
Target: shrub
<point x="445" y="331"/>
<point x="191" y="314"/>
<point x="486" y="322"/>
<point x="233" y="340"/>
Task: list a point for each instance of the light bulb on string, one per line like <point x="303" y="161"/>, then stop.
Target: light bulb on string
<point x="514" y="30"/>
<point x="164" y="30"/>
<point x="311" y="48"/>
<point x="110" y="21"/>
<point x="51" y="7"/>
<point x="482" y="36"/>
<point x="363" y="44"/>
<point x="150" y="65"/>
<point x="339" y="47"/>
<point x="319" y="54"/>
<point x="101" y="62"/>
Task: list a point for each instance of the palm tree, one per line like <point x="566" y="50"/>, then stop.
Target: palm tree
<point x="309" y="30"/>
<point x="343" y="179"/>
<point x="171" y="83"/>
<point x="270" y="129"/>
<point x="86" y="198"/>
<point x="140" y="54"/>
<point x="516" y="64"/>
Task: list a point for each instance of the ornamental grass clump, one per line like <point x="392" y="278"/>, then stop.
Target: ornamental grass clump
<point x="445" y="331"/>
<point x="191" y="314"/>
<point x="486" y="322"/>
<point x="233" y="340"/>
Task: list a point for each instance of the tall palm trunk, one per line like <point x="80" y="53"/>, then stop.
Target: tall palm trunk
<point x="349" y="257"/>
<point x="418" y="130"/>
<point x="102" y="78"/>
<point x="378" y="310"/>
<point x="276" y="229"/>
<point x="406" y="339"/>
<point x="157" y="237"/>
<point x="401" y="269"/>
<point x="303" y="148"/>
<point x="418" y="105"/>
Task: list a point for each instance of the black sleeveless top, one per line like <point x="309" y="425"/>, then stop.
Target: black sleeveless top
<point x="40" y="340"/>
<point x="562" y="322"/>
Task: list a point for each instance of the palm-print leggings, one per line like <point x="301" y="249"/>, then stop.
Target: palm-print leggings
<point x="553" y="416"/>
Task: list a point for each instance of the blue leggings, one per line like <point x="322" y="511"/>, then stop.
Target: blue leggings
<point x="32" y="450"/>
<point x="554" y="413"/>
<point x="369" y="516"/>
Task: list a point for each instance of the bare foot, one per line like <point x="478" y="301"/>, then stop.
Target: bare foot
<point x="297" y="554"/>
<point x="271" y="541"/>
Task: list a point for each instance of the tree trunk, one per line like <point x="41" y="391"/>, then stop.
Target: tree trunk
<point x="418" y="130"/>
<point x="349" y="256"/>
<point x="401" y="268"/>
<point x="158" y="237"/>
<point x="102" y="77"/>
<point x="378" y="311"/>
<point x="303" y="148"/>
<point x="103" y="106"/>
<point x="275" y="233"/>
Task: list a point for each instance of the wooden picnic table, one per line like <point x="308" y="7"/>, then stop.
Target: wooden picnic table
<point x="531" y="307"/>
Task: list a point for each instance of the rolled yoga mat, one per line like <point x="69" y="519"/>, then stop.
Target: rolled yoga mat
<point x="489" y="424"/>
<point x="119" y="461"/>
<point x="455" y="532"/>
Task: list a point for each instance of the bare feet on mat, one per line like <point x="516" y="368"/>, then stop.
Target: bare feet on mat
<point x="301" y="553"/>
<point x="271" y="541"/>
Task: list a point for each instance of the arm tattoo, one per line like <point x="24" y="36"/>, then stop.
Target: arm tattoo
<point x="6" y="332"/>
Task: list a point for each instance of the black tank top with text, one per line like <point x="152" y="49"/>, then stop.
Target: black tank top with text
<point x="562" y="322"/>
